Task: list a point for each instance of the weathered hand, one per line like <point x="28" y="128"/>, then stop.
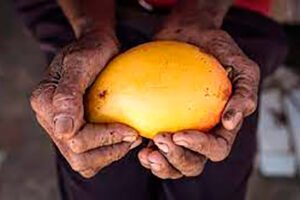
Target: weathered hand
<point x="58" y="104"/>
<point x="184" y="153"/>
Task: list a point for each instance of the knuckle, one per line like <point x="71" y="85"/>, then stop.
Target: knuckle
<point x="196" y="170"/>
<point x="71" y="103"/>
<point x="34" y="101"/>
<point x="199" y="148"/>
<point x="217" y="157"/>
<point x="255" y="68"/>
<point x="76" y="145"/>
<point x="176" y="176"/>
<point x="121" y="128"/>
<point x="40" y="97"/>
<point x="162" y="175"/>
<point x="251" y="68"/>
<point x="221" y="152"/>
<point x="142" y="156"/>
<point x="65" y="94"/>
<point x="251" y="105"/>
<point x="34" y="98"/>
<point x="222" y="36"/>
<point x="80" y="54"/>
<point x="88" y="173"/>
<point x="77" y="163"/>
<point x="116" y="152"/>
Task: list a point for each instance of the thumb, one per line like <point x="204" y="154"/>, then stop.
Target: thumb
<point x="67" y="100"/>
<point x="68" y="110"/>
<point x="81" y="62"/>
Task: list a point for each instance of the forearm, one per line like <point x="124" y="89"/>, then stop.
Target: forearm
<point x="197" y="13"/>
<point x="89" y="15"/>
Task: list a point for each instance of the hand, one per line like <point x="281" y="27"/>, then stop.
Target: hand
<point x="58" y="104"/>
<point x="184" y="153"/>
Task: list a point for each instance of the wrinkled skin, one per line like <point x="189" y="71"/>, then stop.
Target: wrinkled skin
<point x="88" y="148"/>
<point x="185" y="153"/>
<point x="58" y="104"/>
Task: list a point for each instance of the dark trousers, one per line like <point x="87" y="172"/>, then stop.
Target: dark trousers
<point x="260" y="38"/>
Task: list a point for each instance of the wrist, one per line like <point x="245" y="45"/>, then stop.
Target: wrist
<point x="100" y="39"/>
<point x="86" y="25"/>
<point x="101" y="36"/>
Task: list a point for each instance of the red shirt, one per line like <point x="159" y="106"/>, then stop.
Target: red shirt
<point x="261" y="6"/>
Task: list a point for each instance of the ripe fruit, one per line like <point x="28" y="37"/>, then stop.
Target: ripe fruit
<point x="162" y="86"/>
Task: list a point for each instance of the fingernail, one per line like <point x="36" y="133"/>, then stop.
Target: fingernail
<point x="130" y="138"/>
<point x="63" y="126"/>
<point x="237" y="119"/>
<point x="234" y="121"/>
<point x="135" y="144"/>
<point x="181" y="143"/>
<point x="231" y="119"/>
<point x="155" y="167"/>
<point x="229" y="115"/>
<point x="163" y="147"/>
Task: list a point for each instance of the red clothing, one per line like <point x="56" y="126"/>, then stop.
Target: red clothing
<point x="261" y="6"/>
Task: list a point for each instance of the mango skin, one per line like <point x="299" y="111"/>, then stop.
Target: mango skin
<point x="161" y="86"/>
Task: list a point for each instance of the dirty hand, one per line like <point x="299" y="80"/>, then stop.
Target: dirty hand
<point x="58" y="104"/>
<point x="184" y="153"/>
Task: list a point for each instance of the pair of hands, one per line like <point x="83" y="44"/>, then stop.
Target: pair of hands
<point x="58" y="104"/>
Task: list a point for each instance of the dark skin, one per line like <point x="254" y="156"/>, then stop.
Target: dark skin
<point x="58" y="99"/>
<point x="90" y="147"/>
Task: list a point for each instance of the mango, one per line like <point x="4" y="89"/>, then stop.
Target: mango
<point x="161" y="86"/>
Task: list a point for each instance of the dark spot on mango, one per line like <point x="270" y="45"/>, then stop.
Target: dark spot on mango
<point x="102" y="94"/>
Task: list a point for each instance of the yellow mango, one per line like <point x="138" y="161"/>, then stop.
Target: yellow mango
<point x="161" y="86"/>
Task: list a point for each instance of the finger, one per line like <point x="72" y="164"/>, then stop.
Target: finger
<point x="76" y="161"/>
<point x="243" y="101"/>
<point x="102" y="157"/>
<point x="80" y="65"/>
<point x="41" y="98"/>
<point x="160" y="167"/>
<point x="187" y="162"/>
<point x="68" y="108"/>
<point x="215" y="146"/>
<point x="143" y="157"/>
<point x="45" y="125"/>
<point x="71" y="157"/>
<point x="245" y="77"/>
<point x="41" y="102"/>
<point x="92" y="136"/>
<point x="96" y="159"/>
<point x="90" y="163"/>
<point x="88" y="173"/>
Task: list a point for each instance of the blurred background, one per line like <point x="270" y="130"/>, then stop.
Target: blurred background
<point x="27" y="168"/>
